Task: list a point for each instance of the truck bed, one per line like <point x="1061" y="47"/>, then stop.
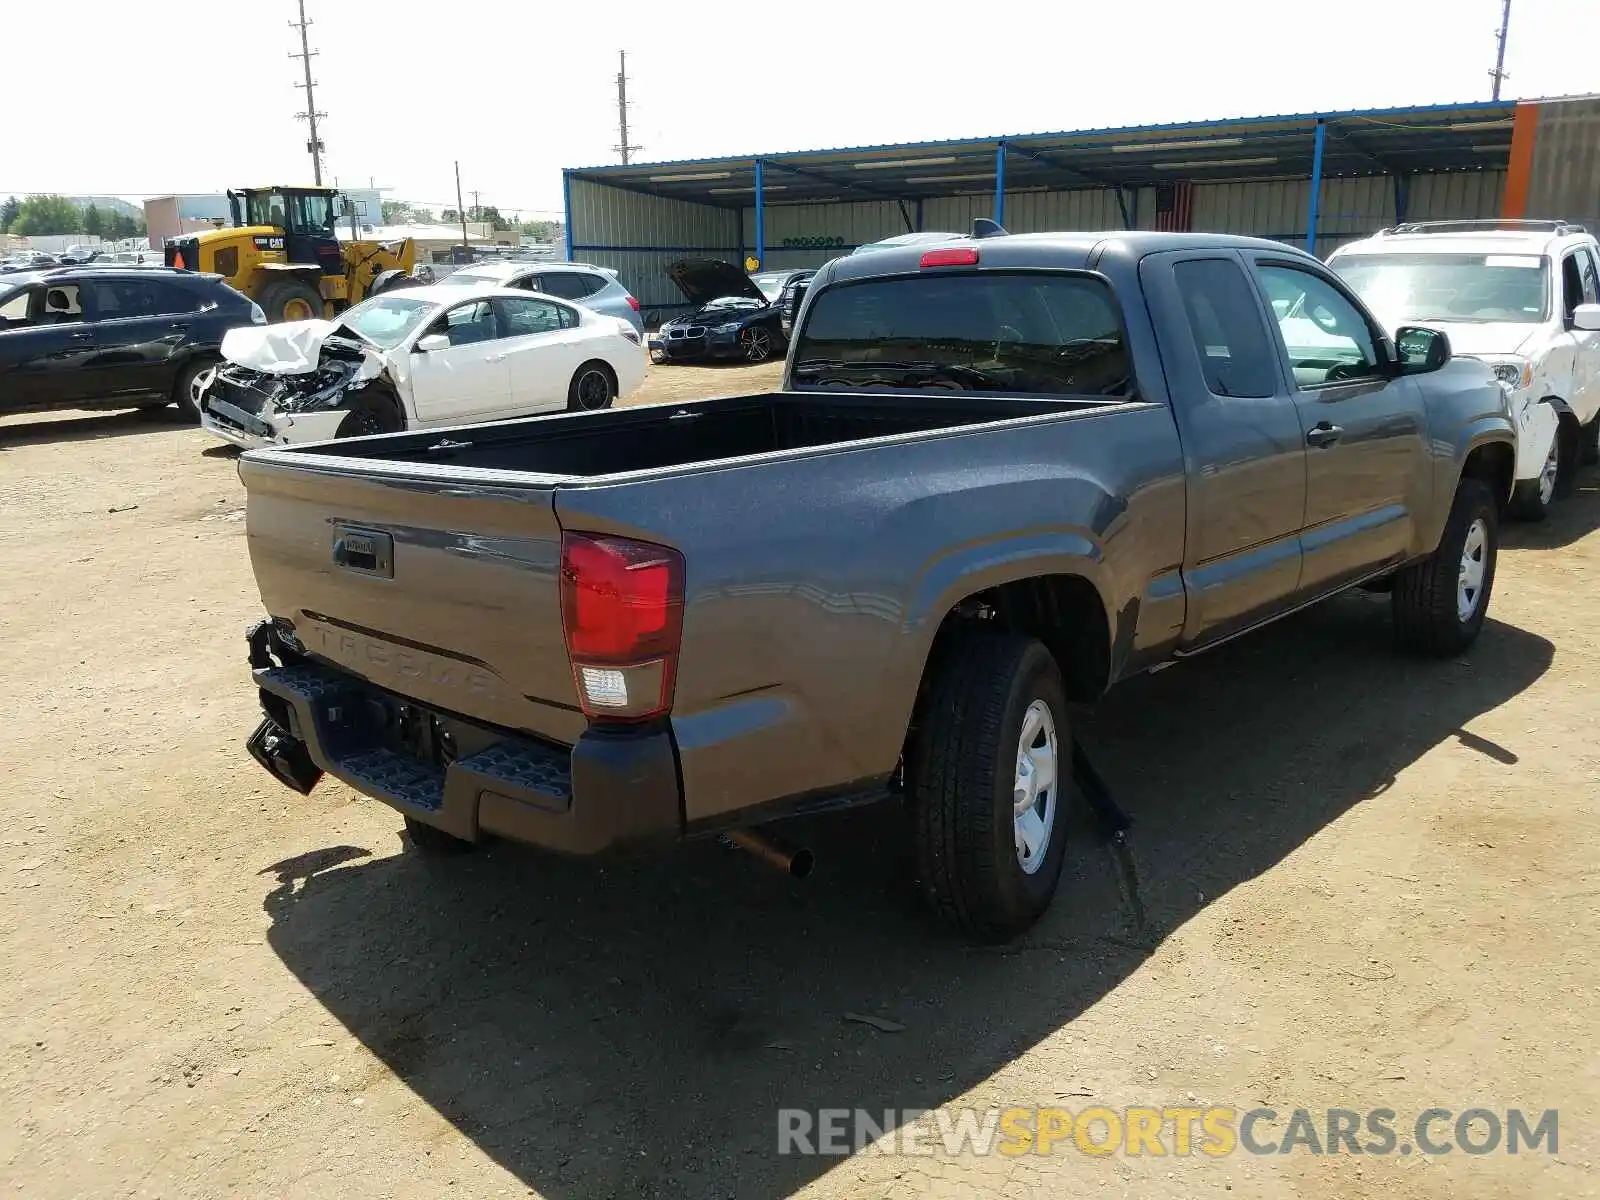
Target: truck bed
<point x="656" y="437"/>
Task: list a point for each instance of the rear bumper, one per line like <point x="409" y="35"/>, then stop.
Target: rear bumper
<point x="609" y="791"/>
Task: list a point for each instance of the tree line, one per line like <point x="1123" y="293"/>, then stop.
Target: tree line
<point x="45" y="215"/>
<point x="398" y="212"/>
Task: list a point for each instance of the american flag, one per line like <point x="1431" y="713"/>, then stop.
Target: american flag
<point x="1174" y="206"/>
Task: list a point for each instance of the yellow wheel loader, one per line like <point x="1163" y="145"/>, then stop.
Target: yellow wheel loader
<point x="283" y="253"/>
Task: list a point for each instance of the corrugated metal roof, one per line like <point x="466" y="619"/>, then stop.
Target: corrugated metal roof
<point x="1471" y="135"/>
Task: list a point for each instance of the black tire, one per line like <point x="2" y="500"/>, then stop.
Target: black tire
<point x="961" y="768"/>
<point x="276" y="297"/>
<point x="757" y="343"/>
<point x="183" y="390"/>
<point x="1589" y="445"/>
<point x="1426" y="597"/>
<point x="434" y="843"/>
<point x="370" y="414"/>
<point x="593" y="388"/>
<point x="388" y="281"/>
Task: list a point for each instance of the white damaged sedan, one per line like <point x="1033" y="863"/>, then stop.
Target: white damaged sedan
<point x="416" y="358"/>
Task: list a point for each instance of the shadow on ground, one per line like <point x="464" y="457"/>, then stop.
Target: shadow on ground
<point x="633" y="1030"/>
<point x="1571" y="518"/>
<point x="88" y="425"/>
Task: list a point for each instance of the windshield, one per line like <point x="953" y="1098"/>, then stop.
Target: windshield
<point x="472" y="277"/>
<point x="1449" y="287"/>
<point x="771" y="283"/>
<point x="386" y="320"/>
<point x="265" y="208"/>
<point x="1054" y="333"/>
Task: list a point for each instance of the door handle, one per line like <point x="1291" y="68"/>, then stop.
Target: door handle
<point x="81" y="337"/>
<point x="497" y="358"/>
<point x="1323" y="434"/>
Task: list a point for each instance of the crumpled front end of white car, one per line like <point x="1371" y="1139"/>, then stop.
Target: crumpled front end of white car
<point x="296" y="386"/>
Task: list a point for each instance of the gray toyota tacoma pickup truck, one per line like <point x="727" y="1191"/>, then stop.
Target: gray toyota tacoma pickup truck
<point x="1004" y="473"/>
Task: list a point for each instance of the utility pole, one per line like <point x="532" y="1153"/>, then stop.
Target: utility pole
<point x="314" y="145"/>
<point x="477" y="209"/>
<point x="623" y="147"/>
<point x="462" y="211"/>
<point x="1499" y="73"/>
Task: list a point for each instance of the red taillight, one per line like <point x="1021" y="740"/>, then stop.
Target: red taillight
<point x="954" y="256"/>
<point x="622" y="616"/>
<point x="633" y="303"/>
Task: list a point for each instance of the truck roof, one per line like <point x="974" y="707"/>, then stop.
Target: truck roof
<point x="1062" y="250"/>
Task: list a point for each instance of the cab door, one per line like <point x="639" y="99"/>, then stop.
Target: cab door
<point x="467" y="380"/>
<point x="1368" y="470"/>
<point x="1585" y="397"/>
<point x="140" y="328"/>
<point x="1245" y="455"/>
<point x="544" y="347"/>
<point x="45" y="344"/>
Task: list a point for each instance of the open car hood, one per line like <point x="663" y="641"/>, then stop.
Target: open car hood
<point x="294" y="347"/>
<point x="702" y="280"/>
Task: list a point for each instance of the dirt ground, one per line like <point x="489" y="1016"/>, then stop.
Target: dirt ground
<point x="1366" y="882"/>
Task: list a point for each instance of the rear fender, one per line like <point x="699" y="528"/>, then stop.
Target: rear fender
<point x="974" y="569"/>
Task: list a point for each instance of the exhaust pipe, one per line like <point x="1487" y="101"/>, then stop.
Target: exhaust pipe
<point x="794" y="861"/>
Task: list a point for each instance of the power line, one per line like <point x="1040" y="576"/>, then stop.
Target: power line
<point x="314" y="145"/>
<point x="1499" y="74"/>
<point x="623" y="147"/>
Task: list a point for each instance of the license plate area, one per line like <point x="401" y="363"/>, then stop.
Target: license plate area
<point x="365" y="551"/>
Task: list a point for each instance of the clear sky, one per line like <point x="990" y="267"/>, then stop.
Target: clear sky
<point x="146" y="97"/>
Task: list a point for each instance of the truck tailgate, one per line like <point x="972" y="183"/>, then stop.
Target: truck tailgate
<point x="443" y="590"/>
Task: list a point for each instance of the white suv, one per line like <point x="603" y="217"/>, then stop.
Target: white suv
<point x="1524" y="296"/>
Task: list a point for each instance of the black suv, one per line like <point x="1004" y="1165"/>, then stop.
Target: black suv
<point x="112" y="337"/>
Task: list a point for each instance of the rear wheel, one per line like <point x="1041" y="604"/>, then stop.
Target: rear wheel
<point x="593" y="387"/>
<point x="1439" y="603"/>
<point x="370" y="415"/>
<point x="755" y="343"/>
<point x="291" y="300"/>
<point x="434" y="843"/>
<point x="988" y="777"/>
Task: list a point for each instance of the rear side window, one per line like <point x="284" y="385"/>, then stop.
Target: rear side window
<point x="1236" y="356"/>
<point x="1054" y="333"/>
<point x="122" y="298"/>
<point x="519" y="317"/>
<point x="570" y="285"/>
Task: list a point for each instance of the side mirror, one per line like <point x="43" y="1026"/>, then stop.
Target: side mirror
<point x="1586" y="317"/>
<point x="1421" y="350"/>
<point x="432" y="342"/>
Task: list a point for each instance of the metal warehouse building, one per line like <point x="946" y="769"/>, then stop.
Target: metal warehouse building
<point x="1313" y="179"/>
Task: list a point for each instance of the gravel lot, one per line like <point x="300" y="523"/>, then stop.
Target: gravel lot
<point x="1366" y="882"/>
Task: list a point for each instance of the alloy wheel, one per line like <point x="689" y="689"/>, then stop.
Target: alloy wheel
<point x="1549" y="472"/>
<point x="757" y="344"/>
<point x="1036" y="786"/>
<point x="1474" y="565"/>
<point x="594" y="390"/>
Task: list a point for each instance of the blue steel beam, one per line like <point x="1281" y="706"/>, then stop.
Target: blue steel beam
<point x="566" y="209"/>
<point x="1316" y="186"/>
<point x="761" y="219"/>
<point x="818" y="177"/>
<point x="1000" y="184"/>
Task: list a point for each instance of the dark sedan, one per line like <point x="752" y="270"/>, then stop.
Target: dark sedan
<point x="112" y="337"/>
<point x="735" y="316"/>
